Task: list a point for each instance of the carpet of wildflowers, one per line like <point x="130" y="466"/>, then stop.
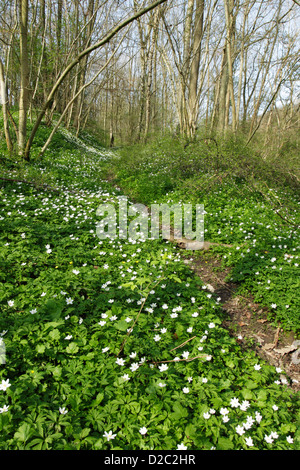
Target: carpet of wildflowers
<point x="258" y="215"/>
<point x="115" y="344"/>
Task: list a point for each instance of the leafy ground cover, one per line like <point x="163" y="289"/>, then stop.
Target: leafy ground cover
<point x="115" y="344"/>
<point x="249" y="204"/>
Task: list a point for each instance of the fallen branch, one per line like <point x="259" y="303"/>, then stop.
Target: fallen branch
<point x="276" y="338"/>
<point x="201" y="356"/>
<point x="183" y="344"/>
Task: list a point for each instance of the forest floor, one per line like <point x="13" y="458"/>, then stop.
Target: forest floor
<point x="199" y="364"/>
<point x="246" y="319"/>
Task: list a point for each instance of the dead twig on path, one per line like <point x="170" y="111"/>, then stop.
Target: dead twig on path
<point x="183" y="344"/>
<point x="201" y="356"/>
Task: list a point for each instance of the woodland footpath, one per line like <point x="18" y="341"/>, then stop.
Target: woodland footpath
<point x="118" y="343"/>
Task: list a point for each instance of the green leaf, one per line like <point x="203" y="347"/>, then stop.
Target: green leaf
<point x="250" y="384"/>
<point x="72" y="348"/>
<point x="98" y="399"/>
<point x="36" y="444"/>
<point x="224" y="384"/>
<point x="84" y="433"/>
<point x="52" y="324"/>
<point x="224" y="444"/>
<point x="191" y="431"/>
<point x="262" y="395"/>
<point x="230" y="364"/>
<point x="99" y="444"/>
<point x="121" y="325"/>
<point x="57" y="372"/>
<point x="24" y="432"/>
<point x="53" y="309"/>
<point x="179" y="329"/>
<point x="54" y="334"/>
<point x="3" y="421"/>
<point x="40" y="348"/>
<point x="247" y="394"/>
<point x="179" y="411"/>
<point x="152" y="390"/>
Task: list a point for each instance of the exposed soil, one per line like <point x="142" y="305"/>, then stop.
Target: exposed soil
<point x="246" y="320"/>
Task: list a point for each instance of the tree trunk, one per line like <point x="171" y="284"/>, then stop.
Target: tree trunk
<point x="194" y="73"/>
<point x="4" y="101"/>
<point x="220" y="115"/>
<point x="24" y="79"/>
<point x="186" y="69"/>
<point x="230" y="33"/>
<point x="90" y="19"/>
<point x="149" y="80"/>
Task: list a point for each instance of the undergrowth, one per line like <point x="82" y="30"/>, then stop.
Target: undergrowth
<point x="113" y="343"/>
<point x="250" y="203"/>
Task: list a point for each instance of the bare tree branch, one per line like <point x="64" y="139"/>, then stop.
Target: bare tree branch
<point x="82" y="54"/>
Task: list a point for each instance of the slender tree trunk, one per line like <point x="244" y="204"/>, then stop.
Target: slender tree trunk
<point x="4" y="101"/>
<point x="194" y="73"/>
<point x="24" y="79"/>
<point x="220" y="115"/>
<point x="242" y="60"/>
<point x="149" y="86"/>
<point x="230" y="30"/>
<point x="262" y="86"/>
<point x="186" y="68"/>
<point x="58" y="33"/>
<point x="90" y="18"/>
<point x="143" y="75"/>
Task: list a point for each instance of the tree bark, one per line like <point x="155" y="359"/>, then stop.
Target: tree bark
<point x="230" y="32"/>
<point x="4" y="101"/>
<point x="149" y="86"/>
<point x="83" y="64"/>
<point x="24" y="78"/>
<point x="220" y="113"/>
<point x="194" y="72"/>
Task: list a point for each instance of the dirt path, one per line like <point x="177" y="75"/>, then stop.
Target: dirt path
<point x="243" y="318"/>
<point x="246" y="320"/>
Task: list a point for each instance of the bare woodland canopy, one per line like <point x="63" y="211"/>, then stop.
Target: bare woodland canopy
<point x="135" y="68"/>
